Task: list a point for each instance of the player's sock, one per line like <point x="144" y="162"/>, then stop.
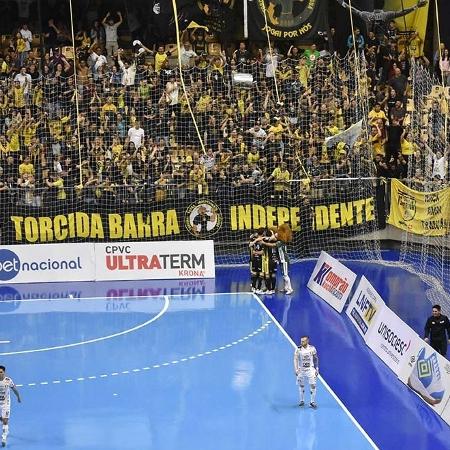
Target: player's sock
<point x="274" y="283"/>
<point x="5" y="432"/>
<point x="254" y="278"/>
<point x="313" y="393"/>
<point x="258" y="283"/>
<point x="301" y="390"/>
<point x="268" y="283"/>
<point x="287" y="283"/>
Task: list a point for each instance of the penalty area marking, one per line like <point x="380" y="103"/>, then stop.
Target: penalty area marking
<point x="154" y="366"/>
<point x="102" y="338"/>
<point x="328" y="388"/>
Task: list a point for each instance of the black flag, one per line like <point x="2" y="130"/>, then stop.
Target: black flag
<point x="287" y="19"/>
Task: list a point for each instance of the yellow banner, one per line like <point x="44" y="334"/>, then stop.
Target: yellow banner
<point x="424" y="213"/>
<point x="416" y="20"/>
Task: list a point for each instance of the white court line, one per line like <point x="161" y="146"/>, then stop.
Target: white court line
<point x="5" y="342"/>
<point x="154" y="366"/>
<point x="333" y="394"/>
<point x="103" y="338"/>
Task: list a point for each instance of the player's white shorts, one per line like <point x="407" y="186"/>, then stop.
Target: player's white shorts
<point x="309" y="374"/>
<point x="5" y="409"/>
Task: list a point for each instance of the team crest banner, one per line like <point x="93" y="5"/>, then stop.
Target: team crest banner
<point x="286" y="19"/>
<point x="424" y="213"/>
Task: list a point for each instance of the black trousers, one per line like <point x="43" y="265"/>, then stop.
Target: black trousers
<point x="440" y="345"/>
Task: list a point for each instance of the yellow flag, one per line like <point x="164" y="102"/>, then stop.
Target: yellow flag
<point x="196" y="25"/>
<point x="424" y="213"/>
<point x="416" y="20"/>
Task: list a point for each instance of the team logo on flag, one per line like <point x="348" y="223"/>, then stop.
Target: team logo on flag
<point x="203" y="219"/>
<point x="407" y="204"/>
<point x="286" y="19"/>
<point x="287" y="13"/>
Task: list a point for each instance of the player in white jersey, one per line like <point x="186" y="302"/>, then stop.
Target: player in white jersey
<point x="306" y="365"/>
<point x="6" y="384"/>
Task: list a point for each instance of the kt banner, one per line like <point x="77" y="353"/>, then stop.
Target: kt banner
<point x="424" y="213"/>
<point x="286" y="19"/>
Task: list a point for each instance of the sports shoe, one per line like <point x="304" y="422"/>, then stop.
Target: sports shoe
<point x="313" y="405"/>
<point x="301" y="404"/>
<point x="260" y="291"/>
<point x="3" y="443"/>
<point x="289" y="291"/>
<point x="253" y="289"/>
<point x="270" y="292"/>
<point x="426" y="378"/>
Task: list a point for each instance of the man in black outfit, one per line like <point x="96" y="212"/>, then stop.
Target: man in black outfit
<point x="201" y="220"/>
<point x="435" y="329"/>
<point x="377" y="19"/>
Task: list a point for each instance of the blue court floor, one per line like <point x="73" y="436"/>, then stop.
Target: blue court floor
<point x="169" y="372"/>
<point x="175" y="364"/>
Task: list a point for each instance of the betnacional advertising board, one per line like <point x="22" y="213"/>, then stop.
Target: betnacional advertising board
<point x="42" y="263"/>
<point x="46" y="262"/>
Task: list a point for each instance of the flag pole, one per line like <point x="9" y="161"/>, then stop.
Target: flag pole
<point x="245" y="19"/>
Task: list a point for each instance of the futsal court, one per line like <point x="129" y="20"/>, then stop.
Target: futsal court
<point x="168" y="365"/>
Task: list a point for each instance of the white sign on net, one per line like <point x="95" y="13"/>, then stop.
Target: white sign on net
<point x="392" y="340"/>
<point x="46" y="262"/>
<point x="332" y="281"/>
<point x="155" y="260"/>
<point x="427" y="373"/>
<point x="364" y="307"/>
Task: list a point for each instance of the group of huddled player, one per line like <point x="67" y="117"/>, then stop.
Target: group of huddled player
<point x="268" y="249"/>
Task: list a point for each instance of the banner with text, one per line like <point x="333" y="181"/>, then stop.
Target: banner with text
<point x="365" y="305"/>
<point x="393" y="340"/>
<point x="427" y="373"/>
<point x="97" y="262"/>
<point x="424" y="213"/>
<point x="286" y="19"/>
<point x="332" y="281"/>
<point x="46" y="262"/>
<point x="154" y="260"/>
<point x="340" y="214"/>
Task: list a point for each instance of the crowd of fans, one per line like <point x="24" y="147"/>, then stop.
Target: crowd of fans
<point x="113" y="125"/>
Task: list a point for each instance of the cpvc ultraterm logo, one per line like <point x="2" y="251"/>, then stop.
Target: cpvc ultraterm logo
<point x="9" y="265"/>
